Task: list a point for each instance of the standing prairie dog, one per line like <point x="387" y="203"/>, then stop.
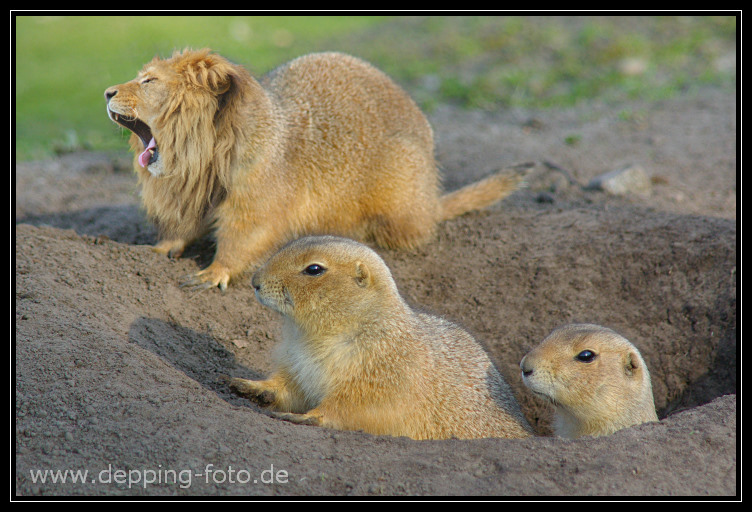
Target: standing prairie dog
<point x="325" y="143"/>
<point x="596" y="379"/>
<point x="355" y="356"/>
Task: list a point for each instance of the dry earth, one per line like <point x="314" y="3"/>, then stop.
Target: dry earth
<point x="116" y="366"/>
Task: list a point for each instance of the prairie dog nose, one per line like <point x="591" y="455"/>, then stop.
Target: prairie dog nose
<point x="527" y="370"/>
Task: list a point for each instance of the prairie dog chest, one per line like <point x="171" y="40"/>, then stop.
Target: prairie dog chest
<point x="313" y="367"/>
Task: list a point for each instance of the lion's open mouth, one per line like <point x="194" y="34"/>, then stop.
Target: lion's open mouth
<point x="151" y="153"/>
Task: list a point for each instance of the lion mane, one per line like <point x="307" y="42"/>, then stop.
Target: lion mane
<point x="199" y="132"/>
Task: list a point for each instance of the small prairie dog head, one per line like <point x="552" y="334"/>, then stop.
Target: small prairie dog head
<point x="596" y="379"/>
<point x="327" y="285"/>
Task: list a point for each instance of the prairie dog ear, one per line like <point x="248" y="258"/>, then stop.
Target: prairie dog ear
<point x="363" y="275"/>
<point x="631" y="364"/>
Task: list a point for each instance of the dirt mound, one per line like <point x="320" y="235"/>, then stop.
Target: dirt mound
<point x="116" y="366"/>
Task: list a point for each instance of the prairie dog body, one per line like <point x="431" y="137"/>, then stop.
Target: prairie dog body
<point x="355" y="356"/>
<point x="325" y="143"/>
<point x="596" y="379"/>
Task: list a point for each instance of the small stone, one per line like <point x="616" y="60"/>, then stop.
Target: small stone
<point x="633" y="66"/>
<point x="627" y="180"/>
<point x="240" y="343"/>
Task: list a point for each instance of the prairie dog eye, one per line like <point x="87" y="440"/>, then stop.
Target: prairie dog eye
<point x="314" y="270"/>
<point x="586" y="356"/>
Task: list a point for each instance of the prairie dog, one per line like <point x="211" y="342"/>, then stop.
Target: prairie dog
<point x="355" y="356"/>
<point x="596" y="379"/>
<point x="324" y="144"/>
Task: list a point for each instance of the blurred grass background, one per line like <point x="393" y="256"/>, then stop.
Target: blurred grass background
<point x="64" y="63"/>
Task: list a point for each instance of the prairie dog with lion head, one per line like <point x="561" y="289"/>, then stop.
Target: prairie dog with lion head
<point x="596" y="379"/>
<point x="355" y="356"/>
<point x="325" y="144"/>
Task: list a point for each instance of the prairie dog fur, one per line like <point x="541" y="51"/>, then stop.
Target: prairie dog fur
<point x="324" y="144"/>
<point x="355" y="356"/>
<point x="596" y="379"/>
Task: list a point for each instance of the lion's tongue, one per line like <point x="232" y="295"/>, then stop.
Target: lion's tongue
<point x="144" y="157"/>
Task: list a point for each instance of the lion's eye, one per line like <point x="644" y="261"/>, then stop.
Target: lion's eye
<point x="586" y="356"/>
<point x="147" y="80"/>
<point x="314" y="270"/>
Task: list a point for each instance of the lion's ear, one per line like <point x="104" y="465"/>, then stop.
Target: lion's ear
<point x="208" y="70"/>
<point x="219" y="74"/>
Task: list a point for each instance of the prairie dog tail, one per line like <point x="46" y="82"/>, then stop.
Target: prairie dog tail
<point x="485" y="192"/>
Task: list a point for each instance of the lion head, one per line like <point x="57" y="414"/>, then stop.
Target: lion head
<point x="183" y="113"/>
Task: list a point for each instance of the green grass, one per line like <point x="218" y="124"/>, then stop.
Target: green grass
<point x="543" y="62"/>
<point x="63" y="64"/>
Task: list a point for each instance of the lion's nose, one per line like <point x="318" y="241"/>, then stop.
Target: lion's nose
<point x="109" y="93"/>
